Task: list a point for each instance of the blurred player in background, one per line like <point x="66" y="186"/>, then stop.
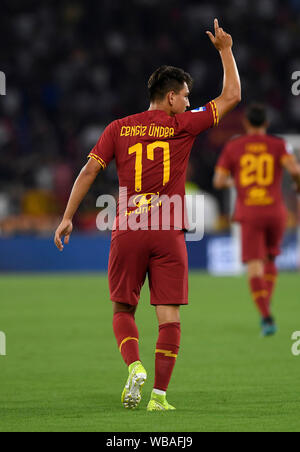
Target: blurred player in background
<point x="255" y="161"/>
<point x="152" y="150"/>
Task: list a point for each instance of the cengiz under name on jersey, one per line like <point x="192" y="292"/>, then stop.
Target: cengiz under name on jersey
<point x="153" y="131"/>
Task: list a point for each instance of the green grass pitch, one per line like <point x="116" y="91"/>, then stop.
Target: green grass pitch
<point x="63" y="371"/>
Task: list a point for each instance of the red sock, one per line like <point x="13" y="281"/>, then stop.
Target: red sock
<point x="260" y="295"/>
<point x="127" y="336"/>
<point x="167" y="348"/>
<point x="271" y="274"/>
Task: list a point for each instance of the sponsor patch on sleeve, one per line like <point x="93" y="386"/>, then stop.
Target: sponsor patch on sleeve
<point x="196" y="110"/>
<point x="289" y="148"/>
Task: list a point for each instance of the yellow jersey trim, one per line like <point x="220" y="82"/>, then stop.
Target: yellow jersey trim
<point x="98" y="159"/>
<point x="215" y="113"/>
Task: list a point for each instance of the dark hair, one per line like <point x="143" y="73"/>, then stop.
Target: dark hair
<point x="256" y="115"/>
<point x="165" y="79"/>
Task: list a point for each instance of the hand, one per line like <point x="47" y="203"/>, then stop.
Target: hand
<point x="64" y="230"/>
<point x="230" y="183"/>
<point x="221" y="40"/>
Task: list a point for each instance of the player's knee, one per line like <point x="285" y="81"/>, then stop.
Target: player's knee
<point x="255" y="269"/>
<point x="123" y="307"/>
<point x="168" y="313"/>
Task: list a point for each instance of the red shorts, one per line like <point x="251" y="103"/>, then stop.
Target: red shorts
<point x="161" y="254"/>
<point x="262" y="237"/>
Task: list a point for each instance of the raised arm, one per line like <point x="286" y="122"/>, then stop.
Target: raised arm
<point x="81" y="187"/>
<point x="231" y="94"/>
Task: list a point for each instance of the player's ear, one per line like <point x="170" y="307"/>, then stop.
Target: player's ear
<point x="171" y="97"/>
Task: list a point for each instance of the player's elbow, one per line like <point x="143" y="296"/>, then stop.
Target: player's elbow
<point x="228" y="101"/>
<point x="234" y="98"/>
<point x="91" y="169"/>
<point x="218" y="183"/>
<point x="293" y="168"/>
<point x="218" y="186"/>
<point x="296" y="170"/>
<point x="238" y="94"/>
<point x="233" y="95"/>
<point x="238" y="98"/>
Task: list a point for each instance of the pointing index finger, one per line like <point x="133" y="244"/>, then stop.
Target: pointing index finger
<point x="216" y="24"/>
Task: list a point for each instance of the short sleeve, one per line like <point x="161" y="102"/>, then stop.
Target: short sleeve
<point x="225" y="163"/>
<point x="104" y="150"/>
<point x="285" y="152"/>
<point x="198" y="120"/>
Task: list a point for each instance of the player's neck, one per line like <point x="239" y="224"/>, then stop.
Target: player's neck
<point x="161" y="107"/>
<point x="256" y="131"/>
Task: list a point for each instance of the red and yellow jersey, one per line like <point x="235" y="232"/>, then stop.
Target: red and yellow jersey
<point x="151" y="150"/>
<point x="256" y="164"/>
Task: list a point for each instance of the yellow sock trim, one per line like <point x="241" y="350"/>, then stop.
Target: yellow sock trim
<point x="271" y="278"/>
<point x="126" y="340"/>
<point x="167" y="353"/>
<point x="263" y="293"/>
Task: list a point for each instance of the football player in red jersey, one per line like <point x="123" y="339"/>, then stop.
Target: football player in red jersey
<point x="152" y="150"/>
<point x="256" y="161"/>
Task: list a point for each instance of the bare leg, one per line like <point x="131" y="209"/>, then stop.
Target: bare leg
<point x="168" y="314"/>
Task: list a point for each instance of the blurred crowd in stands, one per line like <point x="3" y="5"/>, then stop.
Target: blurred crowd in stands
<point x="74" y="66"/>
